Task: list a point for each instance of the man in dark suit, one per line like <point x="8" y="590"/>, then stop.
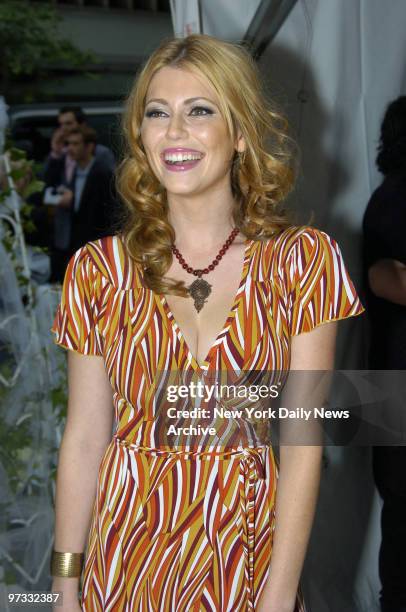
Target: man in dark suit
<point x="87" y="206"/>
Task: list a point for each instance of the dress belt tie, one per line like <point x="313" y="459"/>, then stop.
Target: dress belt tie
<point x="252" y="467"/>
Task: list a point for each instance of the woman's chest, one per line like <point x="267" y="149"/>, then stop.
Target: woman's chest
<point x="142" y="338"/>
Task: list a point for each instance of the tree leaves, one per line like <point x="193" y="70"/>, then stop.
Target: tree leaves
<point x="31" y="43"/>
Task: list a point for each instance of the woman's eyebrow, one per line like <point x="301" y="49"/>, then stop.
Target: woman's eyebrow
<point x="162" y="101"/>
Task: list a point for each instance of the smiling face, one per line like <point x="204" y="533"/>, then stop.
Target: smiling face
<point x="184" y="134"/>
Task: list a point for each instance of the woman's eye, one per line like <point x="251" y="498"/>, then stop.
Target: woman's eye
<point x="202" y="108"/>
<point x="153" y="113"/>
<point x="206" y="111"/>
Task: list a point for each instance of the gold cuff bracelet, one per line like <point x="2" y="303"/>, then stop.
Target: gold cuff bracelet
<point x="66" y="564"/>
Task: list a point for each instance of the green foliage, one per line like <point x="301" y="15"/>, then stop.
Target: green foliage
<point x="31" y="43"/>
<point x="59" y="401"/>
<point x="10" y="577"/>
<point x="23" y="173"/>
<point x="14" y="153"/>
<point x="13" y="439"/>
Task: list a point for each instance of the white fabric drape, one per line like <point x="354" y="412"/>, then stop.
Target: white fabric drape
<point x="227" y="19"/>
<point x="185" y="17"/>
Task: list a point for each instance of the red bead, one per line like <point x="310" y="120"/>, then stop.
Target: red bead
<point x="215" y="262"/>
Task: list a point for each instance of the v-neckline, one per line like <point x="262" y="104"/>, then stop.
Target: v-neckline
<point x="225" y="327"/>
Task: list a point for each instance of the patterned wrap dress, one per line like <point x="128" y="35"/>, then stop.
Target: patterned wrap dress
<point x="172" y="529"/>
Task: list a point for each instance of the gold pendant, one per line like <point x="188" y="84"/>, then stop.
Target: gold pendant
<point x="199" y="290"/>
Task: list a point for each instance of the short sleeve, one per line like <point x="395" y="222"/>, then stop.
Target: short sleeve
<point x="75" y="319"/>
<point x="320" y="287"/>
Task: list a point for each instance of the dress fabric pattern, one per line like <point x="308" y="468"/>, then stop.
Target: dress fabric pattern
<point x="188" y="530"/>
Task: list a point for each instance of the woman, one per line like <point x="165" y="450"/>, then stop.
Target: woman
<point x="169" y="530"/>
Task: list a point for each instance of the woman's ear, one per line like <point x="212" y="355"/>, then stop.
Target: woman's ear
<point x="240" y="144"/>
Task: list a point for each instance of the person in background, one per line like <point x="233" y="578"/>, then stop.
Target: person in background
<point x="87" y="205"/>
<point x="384" y="229"/>
<point x="60" y="165"/>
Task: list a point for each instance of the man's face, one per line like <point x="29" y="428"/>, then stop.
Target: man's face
<point x="67" y="122"/>
<point x="77" y="149"/>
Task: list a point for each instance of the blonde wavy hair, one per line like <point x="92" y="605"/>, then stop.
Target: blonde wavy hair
<point x="260" y="181"/>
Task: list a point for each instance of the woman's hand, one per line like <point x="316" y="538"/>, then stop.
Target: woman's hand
<point x="69" y="587"/>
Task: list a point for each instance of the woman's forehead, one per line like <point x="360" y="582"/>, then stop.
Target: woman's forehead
<point x="180" y="82"/>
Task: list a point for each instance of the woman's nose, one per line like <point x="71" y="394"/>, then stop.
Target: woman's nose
<point x="176" y="125"/>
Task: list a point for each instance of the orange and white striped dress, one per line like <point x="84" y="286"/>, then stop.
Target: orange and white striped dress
<point x="174" y="529"/>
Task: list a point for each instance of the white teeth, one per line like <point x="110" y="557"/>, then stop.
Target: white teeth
<point x="174" y="157"/>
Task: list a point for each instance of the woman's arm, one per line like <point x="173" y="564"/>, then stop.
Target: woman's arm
<point x="87" y="433"/>
<point x="387" y="280"/>
<point x="298" y="482"/>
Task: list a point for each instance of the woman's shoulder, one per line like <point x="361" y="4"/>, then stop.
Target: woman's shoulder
<point x="293" y="252"/>
<point x="110" y="258"/>
<point x="295" y="241"/>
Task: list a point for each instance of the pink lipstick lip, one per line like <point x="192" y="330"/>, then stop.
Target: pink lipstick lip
<point x="188" y="165"/>
<point x="180" y="150"/>
<point x="184" y="167"/>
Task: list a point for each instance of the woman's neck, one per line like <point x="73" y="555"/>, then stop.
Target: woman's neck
<point x="200" y="224"/>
